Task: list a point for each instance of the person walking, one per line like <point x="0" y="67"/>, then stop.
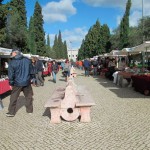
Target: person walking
<point x="87" y="65"/>
<point x="19" y="74"/>
<point x="94" y="64"/>
<point x="39" y="67"/>
<point x="67" y="68"/>
<point x="33" y="81"/>
<point x="54" y="70"/>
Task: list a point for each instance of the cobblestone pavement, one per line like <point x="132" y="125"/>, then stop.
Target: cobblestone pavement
<point x="120" y="120"/>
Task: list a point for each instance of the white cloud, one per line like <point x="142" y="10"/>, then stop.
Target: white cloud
<point x="105" y="3"/>
<point x="136" y="9"/>
<point x="118" y="20"/>
<point x="73" y="37"/>
<point x="58" y="11"/>
<point x="134" y="18"/>
<point x="118" y="3"/>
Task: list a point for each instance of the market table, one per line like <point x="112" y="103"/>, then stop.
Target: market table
<point x="4" y="87"/>
<point x="125" y="75"/>
<point x="141" y="83"/>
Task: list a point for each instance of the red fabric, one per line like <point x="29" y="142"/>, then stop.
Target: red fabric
<point x="141" y="82"/>
<point x="4" y="86"/>
<point x="50" y="67"/>
<point x="45" y="72"/>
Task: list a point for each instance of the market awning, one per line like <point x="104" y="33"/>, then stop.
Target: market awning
<point x="143" y="47"/>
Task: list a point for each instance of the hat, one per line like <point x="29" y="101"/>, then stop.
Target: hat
<point x="16" y="50"/>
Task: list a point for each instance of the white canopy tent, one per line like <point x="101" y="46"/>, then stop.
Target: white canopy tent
<point x="5" y="51"/>
<point x="142" y="47"/>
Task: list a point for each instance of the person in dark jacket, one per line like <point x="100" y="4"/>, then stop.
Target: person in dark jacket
<point x="95" y="63"/>
<point x="19" y="74"/>
<point x="87" y="65"/>
<point x="54" y="70"/>
<point x="39" y="68"/>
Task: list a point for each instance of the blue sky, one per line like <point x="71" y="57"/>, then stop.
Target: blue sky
<point x="74" y="17"/>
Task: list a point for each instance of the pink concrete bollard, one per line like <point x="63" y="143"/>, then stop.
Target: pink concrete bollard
<point x="55" y="115"/>
<point x="85" y="114"/>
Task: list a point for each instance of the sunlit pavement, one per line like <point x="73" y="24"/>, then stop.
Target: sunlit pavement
<point x="120" y="120"/>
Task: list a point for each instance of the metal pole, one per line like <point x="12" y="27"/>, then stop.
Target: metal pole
<point x="143" y="20"/>
<point x="71" y="50"/>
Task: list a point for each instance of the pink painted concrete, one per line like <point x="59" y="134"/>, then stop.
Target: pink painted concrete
<point x="55" y="115"/>
<point x="70" y="115"/>
<point x="85" y="114"/>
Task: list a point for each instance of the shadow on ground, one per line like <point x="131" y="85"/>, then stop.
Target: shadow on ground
<point x="122" y="92"/>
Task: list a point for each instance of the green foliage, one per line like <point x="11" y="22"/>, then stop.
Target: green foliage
<point x="59" y="49"/>
<point x="144" y="27"/>
<point x="97" y="41"/>
<point x="16" y="28"/>
<point x="48" y="40"/>
<point x="31" y="37"/>
<point x="115" y="39"/>
<point x="2" y="23"/>
<point x="82" y="52"/>
<point x="16" y="34"/>
<point x="65" y="50"/>
<point x="39" y="31"/>
<point x="105" y="33"/>
<point x="19" y="6"/>
<point x="124" y="27"/>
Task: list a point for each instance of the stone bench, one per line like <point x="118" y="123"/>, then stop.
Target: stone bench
<point x="85" y="102"/>
<point x="70" y="103"/>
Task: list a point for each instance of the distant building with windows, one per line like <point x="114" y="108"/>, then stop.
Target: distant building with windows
<point x="72" y="54"/>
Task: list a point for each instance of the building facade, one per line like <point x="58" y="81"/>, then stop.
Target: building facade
<point x="72" y="54"/>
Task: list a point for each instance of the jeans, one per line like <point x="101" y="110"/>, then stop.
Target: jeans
<point x="54" y="76"/>
<point x="28" y="93"/>
<point x="86" y="71"/>
<point x="95" y="71"/>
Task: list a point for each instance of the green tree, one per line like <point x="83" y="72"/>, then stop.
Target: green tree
<point x="54" y="49"/>
<point x="16" y="27"/>
<point x="39" y="31"/>
<point x="92" y="43"/>
<point x="145" y="24"/>
<point x="59" y="50"/>
<point x="124" y="27"/>
<point x="115" y="39"/>
<point x="21" y="10"/>
<point x="16" y="34"/>
<point x="65" y="54"/>
<point x="2" y="23"/>
<point x="31" y="37"/>
<point x="48" y="48"/>
<point x="82" y="52"/>
<point x="48" y="40"/>
<point x="105" y="36"/>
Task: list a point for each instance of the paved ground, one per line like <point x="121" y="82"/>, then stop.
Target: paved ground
<point x="120" y="121"/>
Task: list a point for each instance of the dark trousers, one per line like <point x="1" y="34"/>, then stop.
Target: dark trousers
<point x="28" y="93"/>
<point x="39" y="78"/>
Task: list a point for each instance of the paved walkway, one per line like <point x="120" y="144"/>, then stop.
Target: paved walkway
<point x="120" y="121"/>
